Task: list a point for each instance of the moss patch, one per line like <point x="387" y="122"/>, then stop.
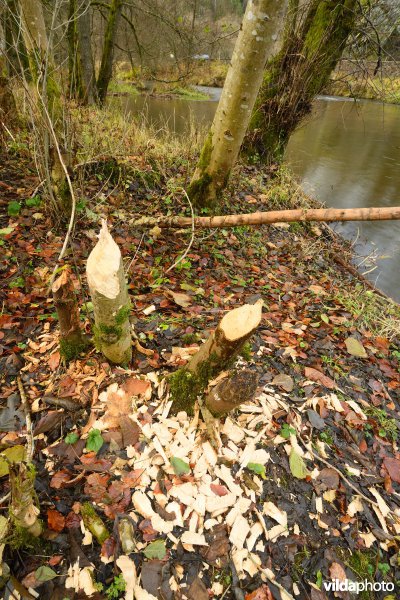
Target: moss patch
<point x="71" y="348"/>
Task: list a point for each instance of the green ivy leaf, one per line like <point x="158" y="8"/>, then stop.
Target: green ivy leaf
<point x="155" y="549"/>
<point x="72" y="438"/>
<point x="297" y="465"/>
<point x="257" y="469"/>
<point x="94" y="441"/>
<point x="35" y="201"/>
<point x="286" y="431"/>
<point x="45" y="573"/>
<point x="179" y="466"/>
<point x="13" y="208"/>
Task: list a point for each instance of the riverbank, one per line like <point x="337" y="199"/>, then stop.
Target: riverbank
<point x="350" y="80"/>
<point x="327" y="355"/>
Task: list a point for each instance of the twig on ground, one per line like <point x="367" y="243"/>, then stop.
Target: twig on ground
<point x="180" y="259"/>
<point x="25" y="406"/>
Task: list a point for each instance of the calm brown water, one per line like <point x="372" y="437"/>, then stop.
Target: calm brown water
<point x="347" y="154"/>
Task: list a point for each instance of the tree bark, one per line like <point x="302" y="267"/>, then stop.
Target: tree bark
<point x="48" y="94"/>
<point x="86" y="54"/>
<point x="110" y="299"/>
<point x="235" y="389"/>
<point x="328" y="215"/>
<point x="75" y="89"/>
<point x="105" y="72"/>
<point x="257" y="40"/>
<point x="313" y="44"/>
<point x="72" y="340"/>
<point x="214" y="356"/>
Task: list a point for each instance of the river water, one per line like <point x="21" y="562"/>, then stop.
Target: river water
<point x="347" y="154"/>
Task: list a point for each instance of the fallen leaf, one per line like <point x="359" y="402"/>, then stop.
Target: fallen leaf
<point x="50" y="421"/>
<point x="319" y="377"/>
<point x="55" y="520"/>
<point x="59" y="479"/>
<point x="155" y="549"/>
<point x="136" y="387"/>
<point x="179" y="466"/>
<point x="297" y="465"/>
<point x="261" y="593"/>
<point x="393" y="468"/>
<point x="180" y="299"/>
<point x="328" y="479"/>
<point x="220" y="490"/>
<point x="54" y="360"/>
<point x="336" y="571"/>
<point x="15" y="454"/>
<point x="355" y="348"/>
<point x="283" y="381"/>
<point x="45" y="574"/>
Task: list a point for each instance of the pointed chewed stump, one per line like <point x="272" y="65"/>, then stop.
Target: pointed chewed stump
<point x="111" y="305"/>
<point x="216" y="355"/>
<point x="236" y="388"/>
<point x="72" y="339"/>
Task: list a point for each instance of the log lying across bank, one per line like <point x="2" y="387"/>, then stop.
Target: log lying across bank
<point x="326" y="215"/>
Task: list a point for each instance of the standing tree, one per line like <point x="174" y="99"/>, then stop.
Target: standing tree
<point x="315" y="36"/>
<point x="105" y="72"/>
<point x="89" y="92"/>
<point x="47" y="95"/>
<point x="256" y="42"/>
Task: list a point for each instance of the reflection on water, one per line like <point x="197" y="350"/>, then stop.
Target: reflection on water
<point x="178" y="115"/>
<point x="347" y="155"/>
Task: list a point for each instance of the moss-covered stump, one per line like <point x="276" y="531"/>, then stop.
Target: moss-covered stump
<point x="234" y="389"/>
<point x="72" y="339"/>
<point x="214" y="356"/>
<point x="107" y="285"/>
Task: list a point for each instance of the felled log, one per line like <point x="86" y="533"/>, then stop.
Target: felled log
<point x="214" y="356"/>
<point x="385" y="213"/>
<point x="234" y="389"/>
<point x="72" y="340"/>
<point x="109" y="293"/>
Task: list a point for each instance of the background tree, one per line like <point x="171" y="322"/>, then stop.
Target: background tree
<point x="105" y="72"/>
<point x="315" y="36"/>
<point x="262" y="22"/>
<point x="46" y="90"/>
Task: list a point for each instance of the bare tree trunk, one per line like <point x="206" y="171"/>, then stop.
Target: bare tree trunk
<point x="7" y="102"/>
<point x="214" y="356"/>
<point x="86" y="54"/>
<point x="75" y="89"/>
<point x="313" y="44"/>
<point x="105" y="72"/>
<point x="15" y="50"/>
<point x="327" y="215"/>
<point x="257" y="40"/>
<point x="72" y="340"/>
<point x="47" y="92"/>
<point x="110" y="299"/>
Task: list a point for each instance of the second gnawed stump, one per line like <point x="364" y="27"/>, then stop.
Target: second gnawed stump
<point x="217" y="354"/>
<point x="110" y="299"/>
<point x="72" y="339"/>
<point x="231" y="391"/>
